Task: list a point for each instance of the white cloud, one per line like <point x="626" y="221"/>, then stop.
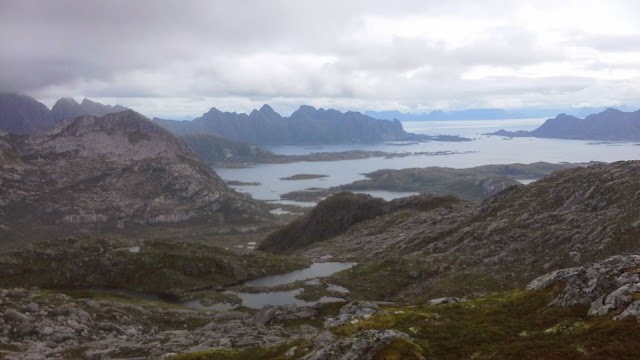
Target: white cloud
<point x="177" y="59"/>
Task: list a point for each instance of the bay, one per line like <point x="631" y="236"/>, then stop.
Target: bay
<point x="483" y="150"/>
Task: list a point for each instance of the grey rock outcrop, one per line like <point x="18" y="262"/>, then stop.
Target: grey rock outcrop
<point x="272" y="314"/>
<point x="353" y="312"/>
<point x="609" y="286"/>
<point x="363" y="345"/>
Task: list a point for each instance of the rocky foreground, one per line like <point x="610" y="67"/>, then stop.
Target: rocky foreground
<point x="585" y="312"/>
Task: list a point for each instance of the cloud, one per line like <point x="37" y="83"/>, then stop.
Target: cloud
<point x="170" y="58"/>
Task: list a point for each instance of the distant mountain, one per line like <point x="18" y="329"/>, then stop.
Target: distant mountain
<point x="66" y="108"/>
<point x="609" y="125"/>
<point x="113" y="173"/>
<point x="488" y="114"/>
<point x="21" y="114"/>
<point x="306" y="125"/>
<point x="470" y="114"/>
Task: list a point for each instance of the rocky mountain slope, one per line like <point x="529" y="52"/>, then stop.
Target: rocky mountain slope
<point x="569" y="218"/>
<point x="21" y="114"/>
<point x="66" y="108"/>
<point x="110" y="173"/>
<point x="609" y="125"/>
<point x="306" y="125"/>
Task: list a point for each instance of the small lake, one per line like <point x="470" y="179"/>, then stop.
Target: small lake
<point x="261" y="299"/>
<point x="316" y="270"/>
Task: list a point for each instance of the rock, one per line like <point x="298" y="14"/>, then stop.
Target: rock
<point x="633" y="310"/>
<point x="353" y="311"/>
<point x="445" y="300"/>
<point x="361" y="346"/>
<point x="583" y="285"/>
<point x="231" y="315"/>
<point x="33" y="308"/>
<point x="24" y="329"/>
<point x="97" y="354"/>
<point x="92" y="305"/>
<point x="272" y="314"/>
<point x="45" y="331"/>
<point x="616" y="300"/>
<point x="13" y="315"/>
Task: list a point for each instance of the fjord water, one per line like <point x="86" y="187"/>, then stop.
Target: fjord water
<point x="483" y="150"/>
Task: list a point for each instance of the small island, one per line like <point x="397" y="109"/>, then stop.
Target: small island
<point x="304" y="177"/>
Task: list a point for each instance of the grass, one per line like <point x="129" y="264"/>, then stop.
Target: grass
<point x="283" y="351"/>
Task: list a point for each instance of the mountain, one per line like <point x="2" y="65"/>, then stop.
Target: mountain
<point x="66" y="108"/>
<point x="306" y="125"/>
<point x="21" y="114"/>
<point x="609" y="125"/>
<point x="488" y="114"/>
<point x="117" y="172"/>
<point x="469" y="114"/>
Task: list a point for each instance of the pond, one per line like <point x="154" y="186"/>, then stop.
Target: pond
<point x="261" y="299"/>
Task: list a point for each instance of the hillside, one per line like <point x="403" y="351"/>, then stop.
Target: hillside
<point x="305" y="126"/>
<point x="570" y="218"/>
<point x="21" y="114"/>
<point x="609" y="125"/>
<point x="113" y="173"/>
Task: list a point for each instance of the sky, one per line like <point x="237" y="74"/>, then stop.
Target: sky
<point x="177" y="59"/>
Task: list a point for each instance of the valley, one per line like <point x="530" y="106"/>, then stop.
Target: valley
<point x="121" y="240"/>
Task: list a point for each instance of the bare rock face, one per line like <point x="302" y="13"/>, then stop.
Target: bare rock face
<point x="112" y="172"/>
<point x="609" y="286"/>
<point x="361" y="346"/>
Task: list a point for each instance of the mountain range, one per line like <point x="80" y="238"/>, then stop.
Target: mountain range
<point x="489" y="113"/>
<point x="306" y="126"/>
<point x="609" y="125"/>
<point x="22" y="114"/>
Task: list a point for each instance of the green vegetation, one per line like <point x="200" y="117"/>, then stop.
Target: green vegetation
<point x="512" y="325"/>
<point x="168" y="269"/>
<point x="329" y="218"/>
<point x="278" y="352"/>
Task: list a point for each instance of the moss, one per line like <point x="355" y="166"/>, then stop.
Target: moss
<point x="401" y="349"/>
<point x="511" y="325"/>
<point x="277" y="352"/>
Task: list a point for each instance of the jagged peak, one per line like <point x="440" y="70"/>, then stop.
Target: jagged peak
<point x="86" y="101"/>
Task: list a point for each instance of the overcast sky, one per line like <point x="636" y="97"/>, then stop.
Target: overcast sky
<point x="177" y="59"/>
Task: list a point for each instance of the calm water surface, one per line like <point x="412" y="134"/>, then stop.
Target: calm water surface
<point x="486" y="150"/>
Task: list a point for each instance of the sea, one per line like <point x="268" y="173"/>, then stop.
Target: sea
<point x="482" y="150"/>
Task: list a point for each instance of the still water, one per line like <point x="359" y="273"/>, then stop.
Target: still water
<point x="260" y="299"/>
<point x="483" y="150"/>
